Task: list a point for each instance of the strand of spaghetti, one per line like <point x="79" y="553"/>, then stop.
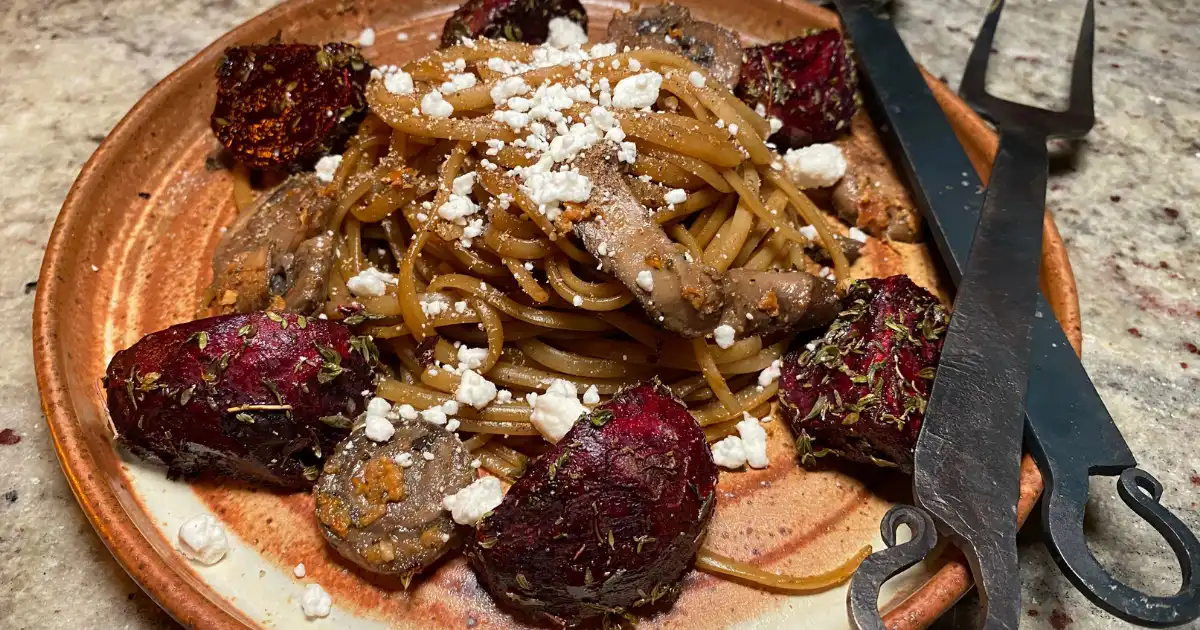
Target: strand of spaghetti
<point x="728" y="241"/>
<point x="415" y="395"/>
<point x="683" y="135"/>
<point x="771" y="250"/>
<point x="494" y="329"/>
<point x="615" y="350"/>
<point x="697" y="200"/>
<point x="560" y="268"/>
<point x="496" y="427"/>
<point x="685" y="238"/>
<point x="410" y="308"/>
<point x="475" y="441"/>
<point x="586" y="302"/>
<point x="746" y="133"/>
<point x="497" y="185"/>
<point x="708" y="367"/>
<point x="754" y="204"/>
<point x="509" y="455"/>
<point x="687" y="386"/>
<point x="476" y="261"/>
<point x="526" y="281"/>
<point x="644" y="333"/>
<point x="536" y="379"/>
<point x="504" y="243"/>
<point x="811" y="214"/>
<point x="429" y="66"/>
<point x="776" y="202"/>
<point x="471" y="129"/>
<point x="479" y="96"/>
<point x="350" y="197"/>
<point x="672" y="84"/>
<point x="243" y="194"/>
<point x="718" y="432"/>
<point x="699" y="168"/>
<point x="578" y="364"/>
<point x="440" y="380"/>
<point x="711" y="562"/>
<point x="713" y="222"/>
<point x="753" y="364"/>
<point x="353" y="232"/>
<point x="497" y="466"/>
<point x="547" y="319"/>
<point x="663" y="172"/>
<point x="747" y="398"/>
<point x="662" y="57"/>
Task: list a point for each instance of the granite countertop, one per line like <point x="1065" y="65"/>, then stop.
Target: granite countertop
<point x="71" y="68"/>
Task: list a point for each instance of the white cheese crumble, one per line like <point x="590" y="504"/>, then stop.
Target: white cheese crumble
<point x="549" y="189"/>
<point x="645" y="280"/>
<point x="367" y="37"/>
<point x="729" y="452"/>
<point x="458" y="83"/>
<point x="506" y="89"/>
<point x="404" y="460"/>
<point x="299" y="571"/>
<point x="775" y="124"/>
<point x="406" y="411"/>
<point x="434" y="415"/>
<point x="697" y="79"/>
<point x="402" y="36"/>
<point x="327" y="166"/>
<point x="809" y="232"/>
<point x="816" y="166"/>
<point x="397" y="82"/>
<point x="469" y="505"/>
<point x="378" y="428"/>
<point x="202" y="539"/>
<point x="370" y="282"/>
<point x="458" y="207"/>
<point x="770" y="374"/>
<point x="723" y="335"/>
<point x="627" y="153"/>
<point x="637" y="91"/>
<point x="555" y="412"/>
<point x="504" y="396"/>
<point x="433" y="305"/>
<point x="463" y="184"/>
<point x="471" y="358"/>
<point x="754" y="441"/>
<point x="475" y="390"/>
<point x="858" y="235"/>
<point x="315" y="602"/>
<point x="564" y="33"/>
<point x="577" y="301"/>
<point x="432" y="104"/>
<point x="591" y="396"/>
<point x="675" y="195"/>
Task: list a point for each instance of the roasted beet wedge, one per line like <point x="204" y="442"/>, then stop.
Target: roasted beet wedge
<point x="516" y="20"/>
<point x="859" y="391"/>
<point x="608" y="520"/>
<point x="284" y="105"/>
<point x="259" y="396"/>
<point x="808" y="83"/>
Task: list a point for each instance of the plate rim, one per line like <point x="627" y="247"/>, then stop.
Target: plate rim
<point x="191" y="606"/>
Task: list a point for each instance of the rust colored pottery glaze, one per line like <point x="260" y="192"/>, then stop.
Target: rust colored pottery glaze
<point x="146" y="212"/>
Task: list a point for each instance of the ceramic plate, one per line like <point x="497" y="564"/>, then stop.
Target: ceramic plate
<point x="129" y="255"/>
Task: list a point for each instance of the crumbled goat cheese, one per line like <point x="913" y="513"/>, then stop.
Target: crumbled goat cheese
<point x="858" y="235"/>
<point x="729" y="452"/>
<point x="564" y="33"/>
<point x="775" y="124"/>
<point x="577" y="301"/>
<point x="370" y="282"/>
<point x="675" y="195"/>
<point x="645" y="280"/>
<point x="503" y="396"/>
<point x="549" y="189"/>
<point x="404" y="460"/>
<point x="809" y="232"/>
<point x="635" y="65"/>
<point x="475" y="390"/>
<point x="469" y="505"/>
<point x="770" y="374"/>
<point x="697" y="79"/>
<point x="733" y="129"/>
<point x="398" y="82"/>
<point x="591" y="396"/>
<point x="471" y="358"/>
<point x="457" y="208"/>
<point x="816" y="166"/>
<point x="427" y="456"/>
<point x="315" y="602"/>
<point x="299" y="571"/>
<point x="367" y="37"/>
<point x="452" y="424"/>
<point x="723" y="335"/>
<point x="761" y="110"/>
<point x="463" y="184"/>
<point x="432" y="104"/>
<point x="327" y="166"/>
<point x="402" y="36"/>
<point x="754" y="441"/>
<point x="460" y="307"/>
<point x="434" y="415"/>
<point x="378" y="428"/>
<point x="506" y="89"/>
<point x="406" y="411"/>
<point x="637" y="91"/>
<point x="202" y="539"/>
<point x="458" y="83"/>
<point x="627" y="153"/>
<point x="555" y="412"/>
<point x="433" y="305"/>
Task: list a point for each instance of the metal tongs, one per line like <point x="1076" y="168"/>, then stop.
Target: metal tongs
<point x="967" y="457"/>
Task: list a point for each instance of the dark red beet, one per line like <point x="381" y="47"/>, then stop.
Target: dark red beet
<point x="212" y="395"/>
<point x="809" y="83"/>
<point x="860" y="392"/>
<point x="606" y="521"/>
<point x="288" y="104"/>
<point x="516" y="20"/>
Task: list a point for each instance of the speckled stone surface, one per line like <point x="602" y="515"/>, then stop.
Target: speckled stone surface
<point x="69" y="69"/>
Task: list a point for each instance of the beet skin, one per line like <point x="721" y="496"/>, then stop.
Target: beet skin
<point x="860" y="391"/>
<point x="608" y="520"/>
<point x="285" y="105"/>
<point x="516" y="20"/>
<point x="808" y="83"/>
<point x="255" y="395"/>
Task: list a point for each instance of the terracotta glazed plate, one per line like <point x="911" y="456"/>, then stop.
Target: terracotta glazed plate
<point x="129" y="255"/>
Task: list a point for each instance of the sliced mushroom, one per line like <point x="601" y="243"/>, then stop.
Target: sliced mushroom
<point x="871" y="195"/>
<point x="671" y="27"/>
<point x="275" y="254"/>
<point x="681" y="294"/>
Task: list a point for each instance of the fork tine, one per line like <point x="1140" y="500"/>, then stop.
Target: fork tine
<point x="1081" y="69"/>
<point x="974" y="81"/>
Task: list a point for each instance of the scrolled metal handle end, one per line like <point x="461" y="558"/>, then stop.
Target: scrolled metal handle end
<point x="862" y="601"/>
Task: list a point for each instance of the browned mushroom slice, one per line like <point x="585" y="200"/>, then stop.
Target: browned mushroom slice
<point x="682" y="294"/>
<point x="274" y="251"/>
<point x="671" y="27"/>
<point x="871" y="195"/>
